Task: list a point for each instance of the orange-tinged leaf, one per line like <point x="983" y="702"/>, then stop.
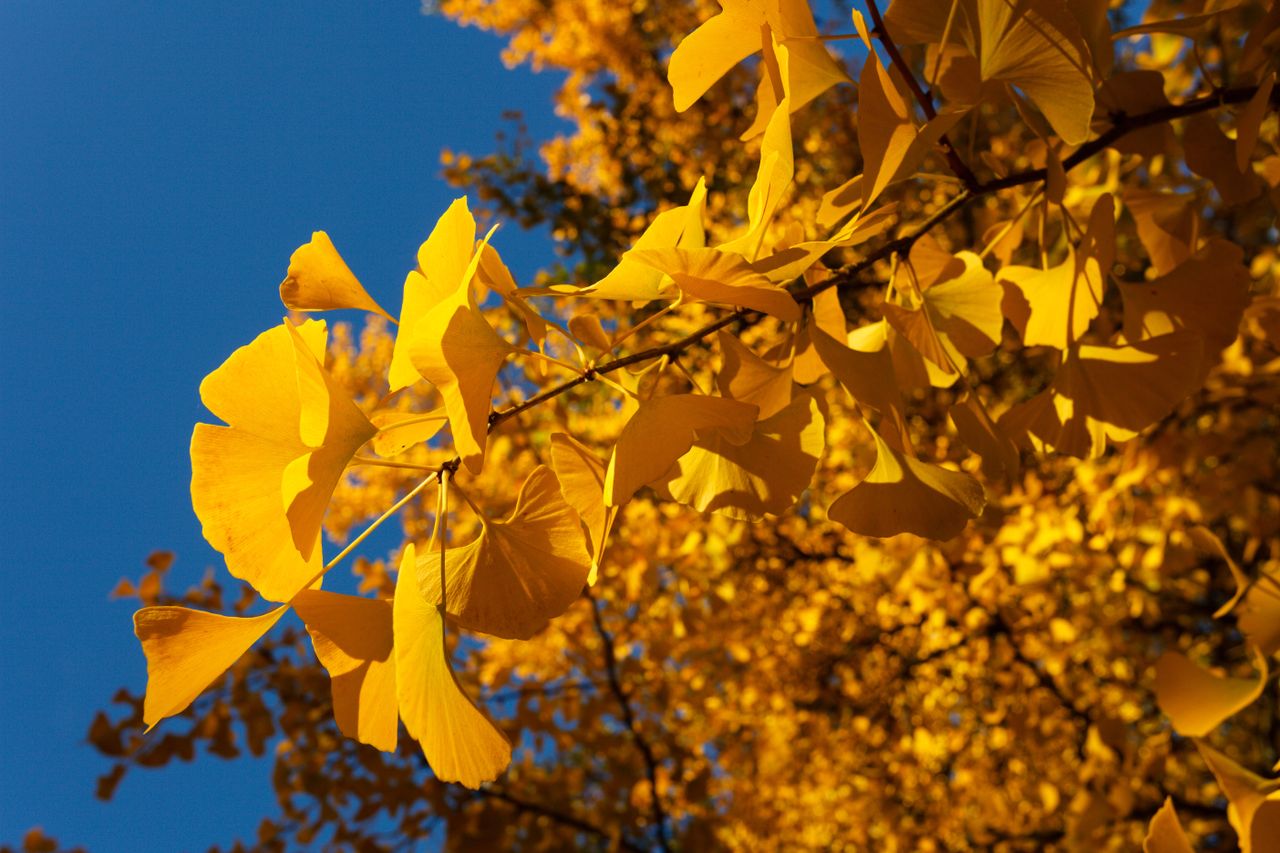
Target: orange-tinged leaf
<point x="586" y="329"/>
<point x="1253" y="802"/>
<point x="826" y="315"/>
<point x="1211" y="154"/>
<point x="1034" y="45"/>
<point x="320" y="280"/>
<point x="720" y="277"/>
<point x="458" y="739"/>
<point x="1102" y="392"/>
<point x="188" y="649"/>
<point x="1000" y="458"/>
<point x="747" y="377"/>
<point x="864" y="369"/>
<point x="352" y="638"/>
<point x="764" y="475"/>
<point x="520" y="573"/>
<point x="1206" y="293"/>
<point x="398" y="431"/>
<point x="444" y="258"/>
<point x="581" y="474"/>
<point x="1258" y="615"/>
<point x="904" y="495"/>
<point x="662" y="430"/>
<point x="260" y="485"/>
<point x="1164" y="833"/>
<point x="1197" y="701"/>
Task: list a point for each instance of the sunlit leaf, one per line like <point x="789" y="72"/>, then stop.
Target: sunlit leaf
<point x="864" y="369"/>
<point x="764" y="475"/>
<point x="188" y="649"/>
<point x="352" y="637"/>
<point x="747" y="377"/>
<point x="1196" y="700"/>
<point x="458" y="739"/>
<point x="1207" y="293"/>
<point x="1253" y="802"/>
<point x="581" y="474"/>
<point x="398" y="430"/>
<point x="725" y="278"/>
<point x="1164" y="833"/>
<point x="518" y="573"/>
<point x="320" y="280"/>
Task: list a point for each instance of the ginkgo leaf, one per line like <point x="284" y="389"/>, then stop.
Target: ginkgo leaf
<point x="1190" y="26"/>
<point x="1034" y="45"/>
<point x="455" y="349"/>
<point x="1167" y="226"/>
<point x="188" y="649"/>
<point x="458" y="739"/>
<point x="260" y="485"/>
<point x="1164" y="833"/>
<point x="1205" y="540"/>
<point x="1102" y="392"/>
<point x="764" y="475"/>
<point x="662" y="430"/>
<point x="725" y="278"/>
<point x="320" y="280"/>
<point x="747" y="377"/>
<point x="1054" y="307"/>
<point x="794" y="69"/>
<point x="961" y="299"/>
<point x="1253" y="803"/>
<point x="773" y="178"/>
<point x="885" y="128"/>
<point x="1250" y="121"/>
<point x="587" y="329"/>
<point x="864" y="370"/>
<point x="710" y="51"/>
<point x="398" y="431"/>
<point x="904" y="495"/>
<point x="352" y="637"/>
<point x="787" y="262"/>
<point x="632" y="280"/>
<point x="444" y="259"/>
<point x="1197" y="701"/>
<point x="494" y="274"/>
<point x="1206" y="293"/>
<point x="520" y="573"/>
<point x="1211" y="154"/>
<point x="1000" y="458"/>
<point x="827" y="315"/>
<point x="581" y="474"/>
<point x="915" y="328"/>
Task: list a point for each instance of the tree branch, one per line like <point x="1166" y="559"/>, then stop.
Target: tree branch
<point x="628" y="719"/>
<point x="557" y="816"/>
<point x="923" y="98"/>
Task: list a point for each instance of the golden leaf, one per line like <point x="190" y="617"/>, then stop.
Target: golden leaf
<point x="1197" y="701"/>
<point x="1164" y="833"/>
<point x="581" y="475"/>
<point x="320" y="280"/>
<point x="722" y="277"/>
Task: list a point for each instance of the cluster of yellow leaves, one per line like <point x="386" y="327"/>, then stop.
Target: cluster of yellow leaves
<point x="790" y="389"/>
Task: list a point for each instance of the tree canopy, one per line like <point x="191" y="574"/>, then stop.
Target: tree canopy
<point x="885" y="458"/>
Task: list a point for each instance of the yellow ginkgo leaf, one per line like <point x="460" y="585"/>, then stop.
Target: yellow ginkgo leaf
<point x="586" y="328"/>
<point x="710" y="51"/>
<point x="320" y="280"/>
<point x="747" y="377"/>
<point x="1258" y="615"/>
<point x="1207" y="293"/>
<point x="904" y="495"/>
<point x="662" y="430"/>
<point x="1102" y="392"/>
<point x="725" y="278"/>
<point x="786" y="262"/>
<point x="1054" y="307"/>
<point x="826" y="315"/>
<point x="458" y="739"/>
<point x="1168" y="225"/>
<point x="352" y="637"/>
<point x="1164" y="833"/>
<point x="764" y="475"/>
<point x="260" y="486"/>
<point x="581" y="474"/>
<point x="885" y="128"/>
<point x="773" y="178"/>
<point x="444" y="259"/>
<point x="398" y="431"/>
<point x="494" y="274"/>
<point x="1034" y="45"/>
<point x="961" y="299"/>
<point x="455" y="349"/>
<point x="187" y="649"/>
<point x="520" y="573"/>
<point x="865" y="370"/>
<point x="795" y="68"/>
<point x="1253" y="803"/>
<point x="1197" y="701"/>
<point x="634" y="281"/>
<point x="1205" y="540"/>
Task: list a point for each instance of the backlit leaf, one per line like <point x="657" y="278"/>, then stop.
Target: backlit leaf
<point x="320" y="280"/>
<point x="1196" y="700"/>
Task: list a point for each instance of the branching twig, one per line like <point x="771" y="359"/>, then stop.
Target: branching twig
<point x="628" y="720"/>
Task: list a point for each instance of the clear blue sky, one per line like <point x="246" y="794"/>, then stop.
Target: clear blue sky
<point x="158" y="164"/>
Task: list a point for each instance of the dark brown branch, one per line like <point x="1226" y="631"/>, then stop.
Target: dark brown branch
<point x="924" y="99"/>
<point x="628" y="720"/>
<point x="559" y="817"/>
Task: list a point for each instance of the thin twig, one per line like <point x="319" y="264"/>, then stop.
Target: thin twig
<point x="628" y="720"/>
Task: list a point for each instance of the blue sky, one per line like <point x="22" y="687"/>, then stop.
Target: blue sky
<point x="159" y="162"/>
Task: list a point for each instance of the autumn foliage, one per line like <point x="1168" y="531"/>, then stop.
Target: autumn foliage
<point x="887" y="460"/>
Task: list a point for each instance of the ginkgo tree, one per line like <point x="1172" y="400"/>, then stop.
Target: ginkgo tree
<point x="895" y="484"/>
